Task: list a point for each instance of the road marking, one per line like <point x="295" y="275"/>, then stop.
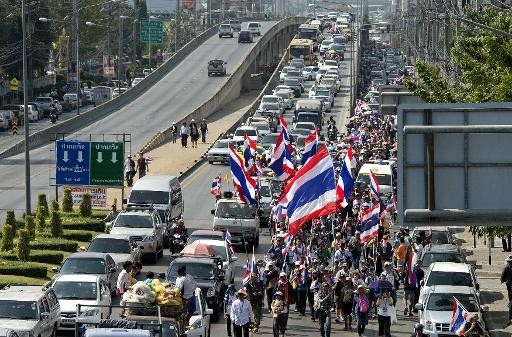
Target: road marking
<point x="194" y="176"/>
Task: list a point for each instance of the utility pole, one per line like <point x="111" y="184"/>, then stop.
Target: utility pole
<point x="28" y="203"/>
<point x="77" y="55"/>
<point x="119" y="47"/>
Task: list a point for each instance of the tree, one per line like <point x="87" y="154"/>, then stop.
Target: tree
<point x="85" y="206"/>
<point x="55" y="206"/>
<point x="43" y="203"/>
<point x="23" y="245"/>
<point x="483" y="59"/>
<point x="67" y="201"/>
<point x="7" y="238"/>
<point x="40" y="219"/>
<point x="56" y="225"/>
<point x="30" y="226"/>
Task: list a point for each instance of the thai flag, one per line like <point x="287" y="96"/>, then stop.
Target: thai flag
<point x="346" y="179"/>
<point x="247" y="273"/>
<point x="288" y="239"/>
<point x="243" y="182"/>
<point x="228" y="241"/>
<point x="249" y="151"/>
<point x="148" y="160"/>
<point x="395" y="203"/>
<point x="312" y="192"/>
<point x="374" y="187"/>
<point x="370" y="224"/>
<point x="459" y="318"/>
<point x="286" y="135"/>
<point x="281" y="162"/>
<point x="310" y="147"/>
<point x="215" y="189"/>
<point x="411" y="272"/>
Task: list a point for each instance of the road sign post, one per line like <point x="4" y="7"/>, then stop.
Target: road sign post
<point x="151" y="31"/>
<point x="107" y="164"/>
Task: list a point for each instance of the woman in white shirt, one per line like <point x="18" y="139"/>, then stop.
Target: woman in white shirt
<point x="384" y="311"/>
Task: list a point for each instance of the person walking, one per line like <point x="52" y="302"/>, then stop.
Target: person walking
<point x="229" y="298"/>
<point x="241" y="314"/>
<point x="142" y="165"/>
<point x="323" y="307"/>
<point x="129" y="170"/>
<point x="271" y="277"/>
<point x="174" y="132"/>
<point x="194" y="133"/>
<point x="506" y="277"/>
<point x="347" y="293"/>
<point x="279" y="311"/>
<point x="187" y="286"/>
<point x="184" y="131"/>
<point x="204" y="130"/>
<point x="361" y="308"/>
<point x="384" y="307"/>
<point x="255" y="294"/>
<point x="314" y="288"/>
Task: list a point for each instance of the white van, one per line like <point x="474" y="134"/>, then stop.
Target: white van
<point x="383" y="170"/>
<point x="163" y="192"/>
<point x="254" y="28"/>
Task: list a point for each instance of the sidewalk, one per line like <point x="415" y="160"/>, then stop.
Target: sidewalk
<point x="492" y="292"/>
<point x="172" y="159"/>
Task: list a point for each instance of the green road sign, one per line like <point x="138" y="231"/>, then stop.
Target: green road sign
<point x="106" y="164"/>
<point x="151" y="31"/>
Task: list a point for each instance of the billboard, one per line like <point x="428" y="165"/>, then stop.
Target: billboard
<point x="454" y="164"/>
<point x="98" y="195"/>
<point x="108" y="65"/>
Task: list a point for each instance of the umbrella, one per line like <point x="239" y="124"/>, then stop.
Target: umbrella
<point x="380" y="284"/>
<point x="197" y="248"/>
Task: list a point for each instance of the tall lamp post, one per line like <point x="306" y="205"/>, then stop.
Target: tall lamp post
<point x="28" y="205"/>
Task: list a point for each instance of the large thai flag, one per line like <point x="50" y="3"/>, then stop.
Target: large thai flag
<point x="243" y="182"/>
<point x="346" y="179"/>
<point x="411" y="273"/>
<point x="370" y="224"/>
<point x="374" y="187"/>
<point x="249" y="151"/>
<point x="281" y="162"/>
<point x="286" y="135"/>
<point x="312" y="192"/>
<point x="459" y="318"/>
<point x="310" y="147"/>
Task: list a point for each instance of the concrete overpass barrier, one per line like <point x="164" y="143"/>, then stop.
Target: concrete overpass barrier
<point x="71" y="125"/>
<point x="231" y="89"/>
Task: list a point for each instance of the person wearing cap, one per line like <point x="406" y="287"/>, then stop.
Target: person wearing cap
<point x="129" y="170"/>
<point x="284" y="286"/>
<point x="506" y="277"/>
<point x="473" y="327"/>
<point x="174" y="132"/>
<point x="142" y="165"/>
<point x="323" y="305"/>
<point x="418" y="331"/>
<point x="279" y="311"/>
<point x="361" y="308"/>
<point x="241" y="314"/>
<point x="203" y="127"/>
<point x="229" y="298"/>
<point x="255" y="294"/>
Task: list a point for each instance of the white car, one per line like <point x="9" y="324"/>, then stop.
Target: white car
<point x="73" y="289"/>
<point x="254" y="28"/>
<point x="284" y="72"/>
<point x="305" y="125"/>
<point x="136" y="81"/>
<point x="221" y="249"/>
<point x="273" y="99"/>
<point x="33" y="114"/>
<point x="282" y="87"/>
<point x="320" y="73"/>
<point x="251" y="132"/>
<point x="199" y="323"/>
<point x="262" y="127"/>
<point x="309" y="73"/>
<point x="287" y="96"/>
<point x="335" y="77"/>
<point x="435" y="312"/>
<point x="325" y="45"/>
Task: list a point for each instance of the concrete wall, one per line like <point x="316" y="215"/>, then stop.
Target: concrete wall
<point x="231" y="89"/>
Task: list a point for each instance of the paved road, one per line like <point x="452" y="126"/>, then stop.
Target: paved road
<point x="176" y="95"/>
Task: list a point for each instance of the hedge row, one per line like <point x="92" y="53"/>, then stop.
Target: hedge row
<point x="28" y="269"/>
<point x="79" y="223"/>
<point x="77" y="235"/>
<point x="8" y="280"/>
<point x="41" y="256"/>
<point x="45" y="243"/>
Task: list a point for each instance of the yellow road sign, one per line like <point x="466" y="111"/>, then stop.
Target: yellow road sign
<point x="14" y="84"/>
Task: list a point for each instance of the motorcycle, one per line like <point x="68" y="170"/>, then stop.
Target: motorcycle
<point x="53" y="117"/>
<point x="178" y="242"/>
<point x="331" y="134"/>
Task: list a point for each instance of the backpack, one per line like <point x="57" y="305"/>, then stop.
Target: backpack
<point x="364" y="304"/>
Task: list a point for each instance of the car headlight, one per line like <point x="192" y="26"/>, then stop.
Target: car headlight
<point x="196" y="325"/>
<point x="148" y="238"/>
<point x="210" y="292"/>
<point x="215" y="227"/>
<point x="429" y="326"/>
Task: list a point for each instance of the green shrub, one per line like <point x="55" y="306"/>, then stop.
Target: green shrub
<point x="55" y="206"/>
<point x="77" y="235"/>
<point x="29" y="269"/>
<point x="30" y="225"/>
<point x="7" y="238"/>
<point x="56" y="225"/>
<point x="41" y="256"/>
<point x="44" y="243"/>
<point x="67" y="201"/>
<point x="79" y="223"/>
<point x="42" y="202"/>
<point x="40" y="219"/>
<point x="23" y="245"/>
<point x="85" y="206"/>
<point x="12" y="280"/>
<point x="10" y="218"/>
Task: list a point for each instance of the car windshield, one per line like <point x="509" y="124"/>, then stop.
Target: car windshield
<point x="293" y="73"/>
<point x="221" y="252"/>
<point x="270" y="106"/>
<point x="283" y="95"/>
<point x="149" y="197"/>
<point x="270" y="99"/>
<point x="384" y="179"/>
<point x="253" y="25"/>
<point x="44" y="99"/>
<point x="234" y="210"/>
<point x="110" y="245"/>
<point x="322" y="92"/>
<point x="449" y="278"/>
<point x="269" y="139"/>
<point x="249" y="132"/>
<point x="444" y="302"/>
<point x="265" y="191"/>
<point x="134" y="221"/>
<point x="326" y="42"/>
<point x="306" y="126"/>
<point x="322" y="71"/>
<point x="75" y="290"/>
<point x="221" y="145"/>
<point x="439" y="238"/>
<point x="331" y="63"/>
<point x="292" y="82"/>
<point x="84" y="266"/>
<point x="429" y="258"/>
<point x="262" y="128"/>
<point x="200" y="271"/>
<point x="18" y="310"/>
<point x="225" y="26"/>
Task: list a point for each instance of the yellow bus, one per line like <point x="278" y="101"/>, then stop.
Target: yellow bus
<point x="301" y="49"/>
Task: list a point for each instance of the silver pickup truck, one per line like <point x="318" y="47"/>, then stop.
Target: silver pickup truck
<point x="241" y="220"/>
<point x="217" y="67"/>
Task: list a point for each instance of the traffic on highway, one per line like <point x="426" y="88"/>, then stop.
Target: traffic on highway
<point x="286" y="226"/>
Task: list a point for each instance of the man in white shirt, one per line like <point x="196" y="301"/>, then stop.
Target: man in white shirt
<point x="123" y="280"/>
<point x="241" y="314"/>
<point x="187" y="286"/>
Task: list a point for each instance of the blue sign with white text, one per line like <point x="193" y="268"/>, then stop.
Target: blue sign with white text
<point x="72" y="162"/>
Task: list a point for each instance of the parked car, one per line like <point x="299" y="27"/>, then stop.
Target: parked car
<point x="17" y="111"/>
<point x="136" y="81"/>
<point x="245" y="36"/>
<point x="30" y="310"/>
